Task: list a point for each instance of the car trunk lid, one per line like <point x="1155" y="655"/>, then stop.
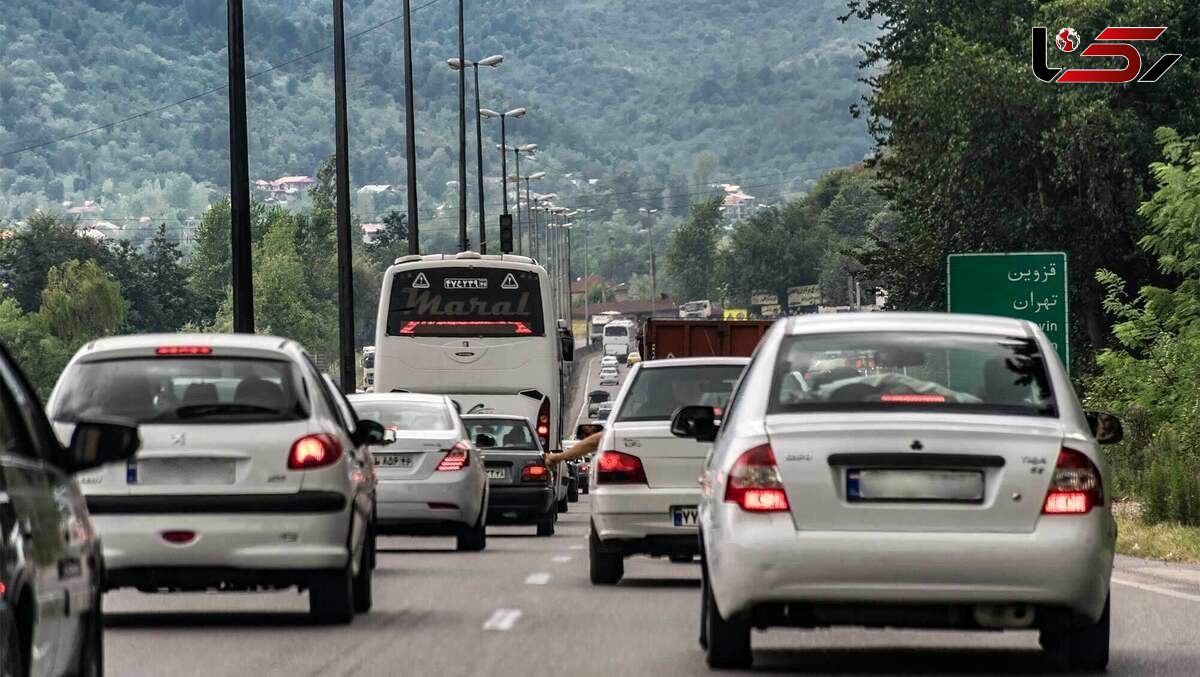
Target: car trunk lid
<point x="668" y="461"/>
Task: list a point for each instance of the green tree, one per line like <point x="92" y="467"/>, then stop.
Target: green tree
<point x="773" y="250"/>
<point x="49" y="240"/>
<point x="391" y="242"/>
<point x="692" y="252"/>
<point x="209" y="268"/>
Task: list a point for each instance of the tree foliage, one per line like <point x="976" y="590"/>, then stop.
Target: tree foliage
<point x="692" y="252"/>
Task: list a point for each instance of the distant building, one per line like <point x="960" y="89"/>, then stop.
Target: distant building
<point x="284" y="189"/>
<point x="370" y="232"/>
<point x="377" y="188"/>
<point x="735" y="204"/>
<point x="580" y="285"/>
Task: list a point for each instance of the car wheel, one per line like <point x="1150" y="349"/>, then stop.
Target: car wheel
<point x="605" y="565"/>
<point x="545" y="523"/>
<point x="1080" y="649"/>
<point x="473" y="538"/>
<point x="573" y="492"/>
<point x="91" y="648"/>
<point x="331" y="596"/>
<point x="363" y="597"/>
<point x="10" y="642"/>
<point x="703" y="607"/>
<point x="727" y="641"/>
<point x="564" y="504"/>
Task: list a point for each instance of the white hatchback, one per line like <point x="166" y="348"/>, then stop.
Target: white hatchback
<point x="645" y="491"/>
<point x="253" y="472"/>
<point x="939" y="473"/>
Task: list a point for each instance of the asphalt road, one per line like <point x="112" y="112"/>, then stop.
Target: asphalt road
<point x="525" y="607"/>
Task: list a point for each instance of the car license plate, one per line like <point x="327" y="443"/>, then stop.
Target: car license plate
<point x="685" y="515"/>
<point x="393" y="460"/>
<point x="963" y="486"/>
<point x="188" y="471"/>
<point x="496" y="474"/>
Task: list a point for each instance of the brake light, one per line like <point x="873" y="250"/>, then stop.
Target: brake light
<point x="535" y="472"/>
<point x="456" y="458"/>
<point x="518" y="328"/>
<point x="183" y="350"/>
<point x="912" y="398"/>
<point x="314" y="451"/>
<point x="543" y="423"/>
<point x="754" y="482"/>
<point x="615" y="467"/>
<point x="1075" y="487"/>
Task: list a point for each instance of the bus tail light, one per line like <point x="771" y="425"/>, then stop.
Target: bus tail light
<point x="617" y="467"/>
<point x="754" y="482"/>
<point x="456" y="458"/>
<point x="1075" y="487"/>
<point x="543" y="423"/>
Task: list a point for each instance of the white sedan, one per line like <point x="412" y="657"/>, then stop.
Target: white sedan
<point x="950" y="481"/>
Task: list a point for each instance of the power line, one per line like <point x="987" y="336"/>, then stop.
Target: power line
<point x="214" y="90"/>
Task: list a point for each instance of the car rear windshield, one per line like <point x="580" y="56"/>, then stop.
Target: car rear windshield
<point x="508" y="434"/>
<point x="656" y="393"/>
<point x="401" y="415"/>
<point x="458" y="301"/>
<point x="884" y="371"/>
<point x="183" y="390"/>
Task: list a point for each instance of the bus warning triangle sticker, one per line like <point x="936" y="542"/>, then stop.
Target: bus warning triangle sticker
<point x="509" y="282"/>
<point x="421" y="282"/>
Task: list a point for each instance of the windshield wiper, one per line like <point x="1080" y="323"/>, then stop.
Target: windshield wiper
<point x="198" y="410"/>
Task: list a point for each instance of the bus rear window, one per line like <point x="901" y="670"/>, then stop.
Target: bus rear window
<point x="465" y="302"/>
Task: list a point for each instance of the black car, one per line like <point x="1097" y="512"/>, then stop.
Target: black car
<point x="523" y="490"/>
<point x="51" y="566"/>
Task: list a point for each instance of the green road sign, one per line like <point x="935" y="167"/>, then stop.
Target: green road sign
<point x="1027" y="286"/>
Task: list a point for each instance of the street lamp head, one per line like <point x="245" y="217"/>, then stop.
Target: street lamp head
<point x="488" y="113"/>
<point x="493" y="60"/>
<point x="528" y="148"/>
<point x="537" y="175"/>
<point x="516" y="113"/>
<point x="454" y="64"/>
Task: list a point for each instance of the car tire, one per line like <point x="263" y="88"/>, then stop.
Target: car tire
<point x="573" y="492"/>
<point x="363" y="594"/>
<point x="545" y="523"/>
<point x="331" y="596"/>
<point x="564" y="504"/>
<point x="727" y="640"/>
<point x="703" y="606"/>
<point x="91" y="648"/>
<point x="11" y="655"/>
<point x="605" y="566"/>
<point x="474" y="537"/>
<point x="1080" y="649"/>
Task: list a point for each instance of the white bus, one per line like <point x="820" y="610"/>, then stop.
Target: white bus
<point x="620" y="338"/>
<point x="481" y="329"/>
<point x="596" y="326"/>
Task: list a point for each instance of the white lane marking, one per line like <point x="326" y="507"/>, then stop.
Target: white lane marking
<point x="587" y="380"/>
<point x="502" y="619"/>
<point x="561" y="558"/>
<point x="575" y="547"/>
<point x="540" y="578"/>
<point x="1154" y="588"/>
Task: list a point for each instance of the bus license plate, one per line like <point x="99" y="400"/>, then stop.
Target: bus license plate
<point x="393" y="460"/>
<point x="685" y="515"/>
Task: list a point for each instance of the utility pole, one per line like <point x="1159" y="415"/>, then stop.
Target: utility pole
<point x="342" y="204"/>
<point x="239" y="176"/>
<point x="462" y="132"/>
<point x="410" y="143"/>
<point x="479" y="164"/>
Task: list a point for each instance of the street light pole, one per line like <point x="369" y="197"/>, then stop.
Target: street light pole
<point x="458" y="65"/>
<point x="653" y="277"/>
<point x="462" y="132"/>
<point x="239" y="176"/>
<point x="342" y="204"/>
<point x="410" y="143"/>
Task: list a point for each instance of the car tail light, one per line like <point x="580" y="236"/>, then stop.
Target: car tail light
<point x="543" y="423"/>
<point x="615" y="467"/>
<point x="754" y="482"/>
<point x="913" y="398"/>
<point x="535" y="472"/>
<point x="314" y="451"/>
<point x="183" y="350"/>
<point x="179" y="537"/>
<point x="456" y="458"/>
<point x="1076" y="487"/>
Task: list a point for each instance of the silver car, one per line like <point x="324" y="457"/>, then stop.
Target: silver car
<point x="943" y="476"/>
<point x="430" y="476"/>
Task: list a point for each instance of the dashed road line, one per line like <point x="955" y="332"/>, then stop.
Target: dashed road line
<point x="1158" y="589"/>
<point x="561" y="558"/>
<point x="540" y="578"/>
<point x="502" y="619"/>
<point x="575" y="547"/>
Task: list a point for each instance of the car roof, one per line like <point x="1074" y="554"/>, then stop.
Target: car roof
<point x="397" y="397"/>
<point x="495" y="417"/>
<point x="962" y="323"/>
<point x="694" y="362"/>
<point x="136" y="344"/>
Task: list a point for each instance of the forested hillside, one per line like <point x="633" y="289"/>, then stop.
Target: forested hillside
<point x="632" y="94"/>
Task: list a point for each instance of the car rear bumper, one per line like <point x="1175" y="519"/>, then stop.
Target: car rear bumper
<point x="413" y="506"/>
<point x="517" y="502"/>
<point x="632" y="513"/>
<point x="245" y="541"/>
<point x="756" y="560"/>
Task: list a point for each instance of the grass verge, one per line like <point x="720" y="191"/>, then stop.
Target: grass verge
<point x="1167" y="542"/>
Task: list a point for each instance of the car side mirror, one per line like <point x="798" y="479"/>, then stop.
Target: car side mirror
<point x="368" y="432"/>
<point x="485" y="441"/>
<point x="99" y="441"/>
<point x="1106" y="428"/>
<point x="568" y="347"/>
<point x="696" y="422"/>
<point x="587" y="430"/>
